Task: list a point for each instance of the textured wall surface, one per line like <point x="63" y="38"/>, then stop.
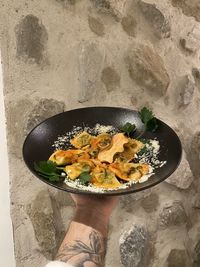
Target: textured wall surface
<point x="64" y="54"/>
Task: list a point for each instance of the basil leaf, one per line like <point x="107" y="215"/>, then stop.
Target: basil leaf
<point x="152" y="125"/>
<point x="85" y="178"/>
<point x="48" y="170"/>
<point x="148" y="119"/>
<point x="128" y="128"/>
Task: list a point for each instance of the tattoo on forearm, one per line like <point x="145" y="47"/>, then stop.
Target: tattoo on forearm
<point x="79" y="253"/>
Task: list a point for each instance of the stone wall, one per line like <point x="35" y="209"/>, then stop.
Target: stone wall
<point x="64" y="54"/>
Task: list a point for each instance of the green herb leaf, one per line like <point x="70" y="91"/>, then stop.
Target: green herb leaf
<point x="48" y="170"/>
<point x="148" y="119"/>
<point x="85" y="178"/>
<point x="128" y="128"/>
<point x="152" y="125"/>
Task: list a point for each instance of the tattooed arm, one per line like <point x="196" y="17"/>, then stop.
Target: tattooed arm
<point x="85" y="242"/>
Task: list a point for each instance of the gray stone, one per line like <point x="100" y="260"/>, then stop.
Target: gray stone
<point x="67" y="2"/>
<point x="184" y="91"/>
<point x="177" y="258"/>
<point x="96" y="26"/>
<point x="91" y="60"/>
<point x="188" y="45"/>
<point x="63" y="199"/>
<point x="196" y="201"/>
<point x="31" y="40"/>
<point x="41" y="215"/>
<point x="135" y="247"/>
<point x="187" y="91"/>
<point x="156" y="19"/>
<point x="173" y="214"/>
<point x="191" y="42"/>
<point x="129" y="25"/>
<point x="150" y="203"/>
<point x="44" y="109"/>
<point x="115" y="7"/>
<point x="110" y="78"/>
<point x="182" y="178"/>
<point x="189" y="8"/>
<point x="147" y="69"/>
<point x="197" y="253"/>
<point x="194" y="154"/>
<point x="128" y="202"/>
<point x="196" y="75"/>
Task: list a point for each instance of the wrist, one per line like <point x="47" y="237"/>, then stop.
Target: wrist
<point x="93" y="218"/>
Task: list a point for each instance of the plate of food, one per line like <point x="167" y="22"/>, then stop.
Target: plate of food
<point x="102" y="150"/>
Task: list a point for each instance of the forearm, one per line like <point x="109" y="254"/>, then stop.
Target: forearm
<point x="85" y="241"/>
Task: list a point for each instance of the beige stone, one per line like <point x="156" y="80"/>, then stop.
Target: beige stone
<point x="147" y="69"/>
<point x="91" y="59"/>
<point x="129" y="25"/>
<point x="96" y="26"/>
<point x="110" y="78"/>
<point x="114" y="7"/>
<point x="189" y="8"/>
<point x="156" y="19"/>
<point x="182" y="177"/>
<point x="178" y="258"/>
<point x="41" y="215"/>
<point x="31" y="39"/>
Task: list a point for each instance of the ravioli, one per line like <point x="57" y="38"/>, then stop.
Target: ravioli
<point x="131" y="148"/>
<point x="104" y="178"/>
<point x="129" y="171"/>
<point x="105" y="158"/>
<point x="118" y="142"/>
<point x="63" y="157"/>
<point x="74" y="171"/>
<point x="81" y="140"/>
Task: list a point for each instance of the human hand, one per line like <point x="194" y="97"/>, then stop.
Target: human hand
<point x="94" y="210"/>
<point x="100" y="204"/>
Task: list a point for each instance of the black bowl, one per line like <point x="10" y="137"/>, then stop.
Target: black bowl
<point x="38" y="143"/>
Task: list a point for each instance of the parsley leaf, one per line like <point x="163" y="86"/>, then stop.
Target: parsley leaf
<point x="48" y="170"/>
<point x="85" y="178"/>
<point x="128" y="128"/>
<point x="148" y="119"/>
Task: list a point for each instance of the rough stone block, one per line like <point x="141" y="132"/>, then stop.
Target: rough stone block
<point x="147" y="69"/>
<point x="178" y="258"/>
<point x="129" y="25"/>
<point x="27" y="250"/>
<point x="67" y="2"/>
<point x="194" y="153"/>
<point x="191" y="42"/>
<point x="91" y="59"/>
<point x="172" y="214"/>
<point x="182" y="178"/>
<point x="128" y="201"/>
<point x="110" y="78"/>
<point x="41" y="215"/>
<point x="96" y="26"/>
<point x="197" y="253"/>
<point x="44" y="109"/>
<point x="114" y="7"/>
<point x="31" y="40"/>
<point x="189" y="8"/>
<point x="196" y="75"/>
<point x="135" y="247"/>
<point x="156" y="19"/>
<point x="150" y="203"/>
<point x="186" y="90"/>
